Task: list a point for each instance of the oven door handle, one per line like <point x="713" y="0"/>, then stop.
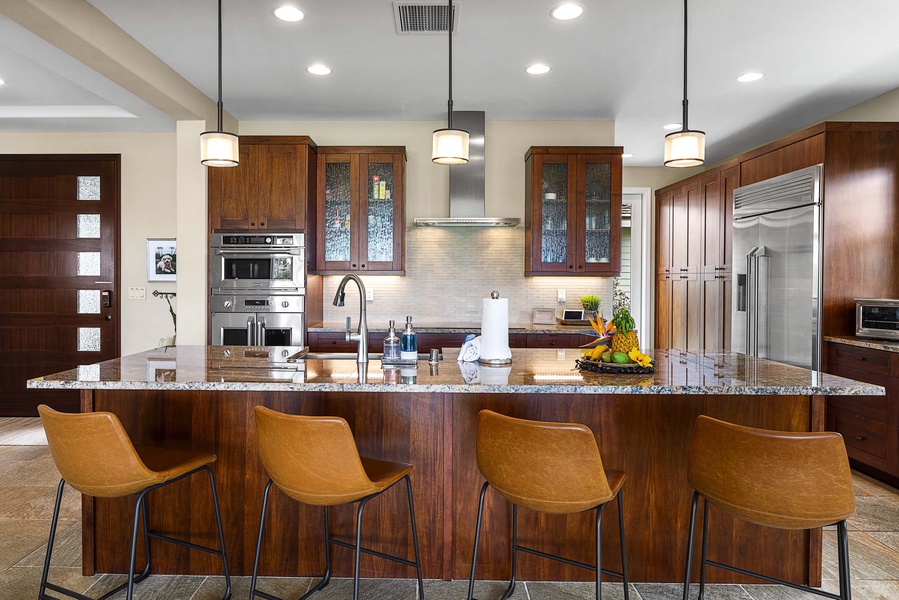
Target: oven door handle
<point x="260" y="332"/>
<point x="251" y="341"/>
<point x="266" y="253"/>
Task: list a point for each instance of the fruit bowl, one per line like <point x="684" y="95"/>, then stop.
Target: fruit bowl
<point x="599" y="366"/>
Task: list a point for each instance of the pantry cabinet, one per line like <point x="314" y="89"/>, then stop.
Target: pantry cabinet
<point x="573" y="210"/>
<point x="359" y="210"/>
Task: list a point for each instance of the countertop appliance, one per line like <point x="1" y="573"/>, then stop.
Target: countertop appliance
<point x="877" y="318"/>
<point x="777" y="268"/>
<point x="250" y="262"/>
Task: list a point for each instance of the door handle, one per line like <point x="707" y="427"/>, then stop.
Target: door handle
<point x="106" y="298"/>
<point x="260" y="332"/>
<point x="250" y="333"/>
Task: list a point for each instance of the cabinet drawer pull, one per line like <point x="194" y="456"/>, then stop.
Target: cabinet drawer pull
<point x="859" y="358"/>
<point x="684" y="276"/>
<point x="683" y="270"/>
<point x="861" y="418"/>
<point x="859" y="438"/>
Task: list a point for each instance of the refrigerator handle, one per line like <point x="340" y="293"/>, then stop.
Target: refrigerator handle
<point x="761" y="299"/>
<point x="250" y="333"/>
<point x="748" y="299"/>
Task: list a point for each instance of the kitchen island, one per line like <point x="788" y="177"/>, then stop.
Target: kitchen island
<point x="203" y="397"/>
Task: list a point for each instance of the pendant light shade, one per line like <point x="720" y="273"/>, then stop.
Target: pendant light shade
<point x="219" y="148"/>
<point x="685" y="148"/>
<point x="450" y="146"/>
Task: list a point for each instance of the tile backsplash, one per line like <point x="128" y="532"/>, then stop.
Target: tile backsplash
<point x="449" y="271"/>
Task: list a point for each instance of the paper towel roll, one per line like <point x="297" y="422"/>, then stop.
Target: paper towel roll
<point x="495" y="331"/>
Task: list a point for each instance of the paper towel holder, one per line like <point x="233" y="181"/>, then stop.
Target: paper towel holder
<point x="495" y="362"/>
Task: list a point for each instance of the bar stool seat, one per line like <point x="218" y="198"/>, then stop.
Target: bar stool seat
<point x="546" y="467"/>
<point x="96" y="457"/>
<point x="785" y="480"/>
<point x="314" y="460"/>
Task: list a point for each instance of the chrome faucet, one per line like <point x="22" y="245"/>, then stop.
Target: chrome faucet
<point x="361" y="335"/>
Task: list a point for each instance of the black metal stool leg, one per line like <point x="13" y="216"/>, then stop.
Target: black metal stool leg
<point x="477" y="539"/>
<point x="599" y="510"/>
<point x="362" y="504"/>
<point x="705" y="545"/>
<point x="218" y="523"/>
<point x="268" y="488"/>
<point x="623" y="548"/>
<point x="843" y="554"/>
<point x="46" y="572"/>
<point x="511" y="589"/>
<point x="138" y="507"/>
<point x="690" y="547"/>
<point x="421" y="585"/>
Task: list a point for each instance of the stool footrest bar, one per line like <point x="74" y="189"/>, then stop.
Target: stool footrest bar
<point x="795" y="586"/>
<point x="165" y="538"/>
<point x="568" y="561"/>
<point x="264" y="595"/>
<point x="374" y="552"/>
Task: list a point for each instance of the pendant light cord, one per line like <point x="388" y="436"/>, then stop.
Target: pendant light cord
<point x="220" y="69"/>
<point x="449" y="27"/>
<point x="685" y="127"/>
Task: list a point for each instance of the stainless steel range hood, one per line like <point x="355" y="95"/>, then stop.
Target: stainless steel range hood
<point x="467" y="190"/>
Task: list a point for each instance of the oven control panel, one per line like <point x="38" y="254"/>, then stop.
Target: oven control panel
<point x="244" y="240"/>
<point x="257" y="304"/>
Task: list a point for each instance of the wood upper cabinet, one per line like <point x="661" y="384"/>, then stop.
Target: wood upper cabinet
<point x="269" y="189"/>
<point x="360" y="210"/>
<point x="573" y="210"/>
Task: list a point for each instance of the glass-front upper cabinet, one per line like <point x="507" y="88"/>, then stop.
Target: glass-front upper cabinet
<point x="573" y="211"/>
<point x="360" y="210"/>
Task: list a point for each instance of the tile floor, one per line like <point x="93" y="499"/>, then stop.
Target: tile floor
<point x="28" y="482"/>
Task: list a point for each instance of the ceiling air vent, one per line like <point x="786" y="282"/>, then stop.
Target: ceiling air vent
<point x="423" y="19"/>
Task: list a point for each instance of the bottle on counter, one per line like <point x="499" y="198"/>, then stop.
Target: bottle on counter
<point x="391" y="344"/>
<point x="409" y="342"/>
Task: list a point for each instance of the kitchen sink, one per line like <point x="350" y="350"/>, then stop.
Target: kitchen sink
<point x="348" y="356"/>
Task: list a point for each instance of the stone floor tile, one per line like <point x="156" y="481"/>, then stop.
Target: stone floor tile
<point x="41" y="506"/>
<point x="20" y="538"/>
<point x="887" y="538"/>
<point x="66" y="549"/>
<point x="867" y="590"/>
<point x="38" y="471"/>
<point x="868" y="486"/>
<point x="11" y="454"/>
<point x="284" y="587"/>
<point x="24" y="582"/>
<point x="675" y="591"/>
<point x="577" y="590"/>
<point x="876" y="513"/>
<point x="388" y="589"/>
<point x="22" y="431"/>
<point x="868" y="558"/>
<point x="154" y="587"/>
<point x="775" y="592"/>
<point x="483" y="590"/>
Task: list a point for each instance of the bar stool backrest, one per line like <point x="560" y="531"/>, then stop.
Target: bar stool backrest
<point x="311" y="459"/>
<point x="94" y="453"/>
<point x="779" y="479"/>
<point x="550" y="467"/>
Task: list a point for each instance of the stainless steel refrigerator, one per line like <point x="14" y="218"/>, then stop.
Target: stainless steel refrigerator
<point x="777" y="269"/>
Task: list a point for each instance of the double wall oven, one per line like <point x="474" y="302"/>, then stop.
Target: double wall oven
<point x="258" y="289"/>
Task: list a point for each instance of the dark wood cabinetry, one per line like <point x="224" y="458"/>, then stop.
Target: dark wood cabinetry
<point x="573" y="210"/>
<point x="869" y="424"/>
<point x="359" y="210"/>
<point x="693" y="261"/>
<point x="270" y="189"/>
<point x="336" y="342"/>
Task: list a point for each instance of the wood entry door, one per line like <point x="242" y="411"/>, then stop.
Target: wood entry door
<point x="59" y="272"/>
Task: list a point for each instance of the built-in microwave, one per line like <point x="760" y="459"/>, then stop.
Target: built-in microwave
<point x="877" y="318"/>
<point x="250" y="263"/>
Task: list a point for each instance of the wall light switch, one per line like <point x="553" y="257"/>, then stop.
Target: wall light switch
<point x="137" y="293"/>
<point x="369" y="295"/>
<point x="561" y="296"/>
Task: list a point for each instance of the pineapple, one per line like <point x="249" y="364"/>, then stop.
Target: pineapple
<point x="625" y="338"/>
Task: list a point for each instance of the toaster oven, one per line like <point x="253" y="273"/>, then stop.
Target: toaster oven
<point x="877" y="318"/>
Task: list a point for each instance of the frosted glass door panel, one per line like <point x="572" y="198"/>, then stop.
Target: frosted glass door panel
<point x="555" y="213"/>
<point x="598" y="215"/>
<point x="380" y="212"/>
<point x="338" y="184"/>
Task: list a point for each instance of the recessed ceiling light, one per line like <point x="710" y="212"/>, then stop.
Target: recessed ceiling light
<point x="538" y="69"/>
<point x="747" y="77"/>
<point x="627" y="155"/>
<point x="2" y="82"/>
<point x="289" y="13"/>
<point x="319" y="69"/>
<point x="672" y="126"/>
<point x="567" y="11"/>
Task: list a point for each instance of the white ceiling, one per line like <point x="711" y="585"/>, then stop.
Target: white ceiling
<point x="622" y="60"/>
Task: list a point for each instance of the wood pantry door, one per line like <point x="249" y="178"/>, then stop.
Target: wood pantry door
<point x="59" y="249"/>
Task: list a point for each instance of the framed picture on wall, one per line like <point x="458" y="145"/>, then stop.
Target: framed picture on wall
<point x="162" y="259"/>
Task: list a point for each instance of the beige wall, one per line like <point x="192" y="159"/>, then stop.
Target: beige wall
<point x="882" y="108"/>
<point x="148" y="210"/>
<point x="654" y="177"/>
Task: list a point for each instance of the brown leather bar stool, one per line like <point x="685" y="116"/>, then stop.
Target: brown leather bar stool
<point x="548" y="467"/>
<point x="314" y="460"/>
<point x="772" y="478"/>
<point x="95" y="456"/>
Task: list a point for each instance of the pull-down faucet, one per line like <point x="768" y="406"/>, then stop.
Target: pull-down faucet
<point x="361" y="335"/>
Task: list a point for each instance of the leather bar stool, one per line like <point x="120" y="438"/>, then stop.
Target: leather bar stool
<point x="314" y="460"/>
<point x="772" y="478"/>
<point x="547" y="467"/>
<point x="95" y="456"/>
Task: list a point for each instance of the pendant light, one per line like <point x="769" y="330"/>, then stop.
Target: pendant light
<point x="219" y="148"/>
<point x="450" y="146"/>
<point x="685" y="148"/>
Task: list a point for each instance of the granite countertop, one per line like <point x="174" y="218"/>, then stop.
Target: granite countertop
<point x="340" y="327"/>
<point x="533" y="370"/>
<point x="851" y="340"/>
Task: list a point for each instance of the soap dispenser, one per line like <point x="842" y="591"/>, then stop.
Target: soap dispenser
<point x="391" y="345"/>
<point x="409" y="342"/>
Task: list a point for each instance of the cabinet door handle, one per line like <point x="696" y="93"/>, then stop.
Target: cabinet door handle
<point x="859" y="358"/>
<point x="363" y="265"/>
<point x="252" y="224"/>
<point x="261" y="224"/>
<point x="859" y="438"/>
<point x="570" y="266"/>
<point x="860" y="417"/>
<point x="580" y="266"/>
<point x="552" y="343"/>
<point x="354" y="265"/>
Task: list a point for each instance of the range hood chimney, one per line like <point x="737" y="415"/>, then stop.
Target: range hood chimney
<point x="467" y="189"/>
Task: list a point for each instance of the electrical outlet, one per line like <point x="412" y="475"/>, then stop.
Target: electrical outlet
<point x="137" y="293"/>
<point x="561" y="296"/>
<point x="369" y="295"/>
